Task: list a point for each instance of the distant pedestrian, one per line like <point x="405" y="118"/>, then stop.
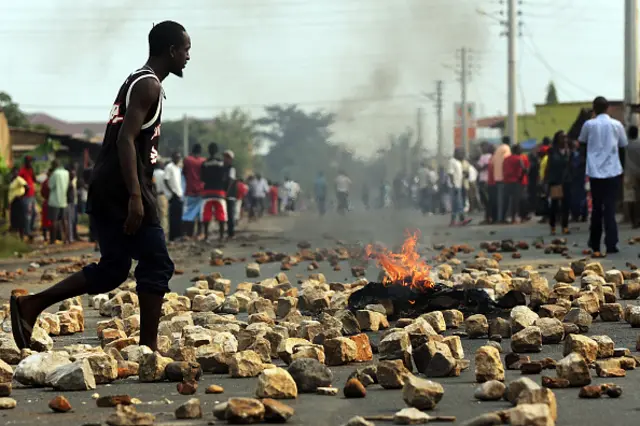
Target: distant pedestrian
<point x="343" y="186"/>
<point x="18" y="188"/>
<point x="558" y="180"/>
<point x="602" y="138"/>
<point x="191" y="168"/>
<point x="501" y="153"/>
<point x="456" y="181"/>
<point x="320" y="189"/>
<point x="28" y="174"/>
<point x="274" y="190"/>
<point x="514" y="170"/>
<point x="161" y="196"/>
<point x="483" y="178"/>
<point x="232" y="193"/>
<point x="175" y="194"/>
<point x="215" y="177"/>
<point x="58" y="202"/>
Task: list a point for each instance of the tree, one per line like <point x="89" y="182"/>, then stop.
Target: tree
<point x="11" y="110"/>
<point x="552" y="95"/>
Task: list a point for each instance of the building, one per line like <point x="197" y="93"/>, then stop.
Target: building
<point x="548" y="119"/>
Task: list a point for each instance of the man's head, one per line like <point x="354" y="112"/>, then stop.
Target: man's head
<point x="546" y="141"/>
<point x="559" y="140"/>
<point x="197" y="149"/>
<point x="170" y="42"/>
<point x="506" y="140"/>
<point x="516" y="150"/>
<point x="600" y="105"/>
<point x="458" y="154"/>
<point x="176" y="157"/>
<point x="55" y="164"/>
<point x="213" y="149"/>
<point x="28" y="160"/>
<point x="228" y="157"/>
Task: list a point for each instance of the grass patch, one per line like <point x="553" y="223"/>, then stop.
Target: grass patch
<point x="10" y="245"/>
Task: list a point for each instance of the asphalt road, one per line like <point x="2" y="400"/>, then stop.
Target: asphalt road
<point x="387" y="227"/>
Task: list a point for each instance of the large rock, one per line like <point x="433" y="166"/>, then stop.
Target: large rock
<point x="152" y="367"/>
<point x="565" y="275"/>
<point x="582" y="345"/>
<point x="340" y="351"/>
<point x="363" y="347"/>
<point x="476" y="326"/>
<point x="500" y="327"/>
<point x="40" y="340"/>
<point x="611" y="312"/>
<point x="276" y="383"/>
<point x="189" y="410"/>
<point x="76" y="376"/>
<point x="287" y="347"/>
<point x="245" y="364"/>
<point x="517" y="387"/>
<point x="395" y="345"/>
<point x="629" y="290"/>
<point x="410" y="416"/>
<point x="575" y="369"/>
<point x="252" y="270"/>
<point x="455" y="346"/>
<point x="309" y="374"/>
<point x="540" y="396"/>
<point x="180" y="371"/>
<point x="492" y="390"/>
<point x="392" y="374"/>
<point x="276" y="411"/>
<point x="34" y="369"/>
<point x="589" y="301"/>
<point x="104" y="366"/>
<point x="350" y="325"/>
<point x="606" y="346"/>
<point x="6" y="372"/>
<point x="527" y="340"/>
<point x="488" y="365"/>
<point x="580" y="318"/>
<point x="551" y="329"/>
<point x="9" y="352"/>
<point x="531" y="415"/>
<point x="244" y="411"/>
<point x="371" y="320"/>
<point x="613" y="276"/>
<point x="522" y="317"/>
<point x="436" y="319"/>
<point x="453" y="318"/>
<point x="421" y="394"/>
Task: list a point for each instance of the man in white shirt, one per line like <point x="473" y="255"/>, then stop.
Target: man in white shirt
<point x="161" y="197"/>
<point x="456" y="181"/>
<point x="174" y="193"/>
<point x="343" y="184"/>
<point x="424" y="187"/>
<point x="603" y="136"/>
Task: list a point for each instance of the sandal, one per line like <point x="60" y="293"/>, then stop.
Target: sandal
<point x="21" y="330"/>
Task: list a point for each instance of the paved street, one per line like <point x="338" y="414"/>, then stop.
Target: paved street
<point x="388" y="227"/>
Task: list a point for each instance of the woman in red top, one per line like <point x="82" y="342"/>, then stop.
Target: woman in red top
<point x="273" y="195"/>
<point x="524" y="190"/>
<point x="45" y="223"/>
<point x="514" y="169"/>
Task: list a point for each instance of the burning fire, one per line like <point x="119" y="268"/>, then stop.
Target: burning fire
<point x="404" y="268"/>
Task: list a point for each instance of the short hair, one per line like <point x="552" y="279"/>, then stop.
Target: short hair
<point x="213" y="148"/>
<point x="164" y="35"/>
<point x="546" y="140"/>
<point x="197" y="148"/>
<point x="600" y="105"/>
<point x="506" y="140"/>
<point x="517" y="149"/>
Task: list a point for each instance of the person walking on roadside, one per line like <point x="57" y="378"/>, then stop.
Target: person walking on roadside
<point x="18" y="188"/>
<point x="159" y="180"/>
<point x="502" y="152"/>
<point x="174" y="193"/>
<point x="58" y="202"/>
<point x="28" y="174"/>
<point x="191" y="167"/>
<point x="232" y="193"/>
<point x="343" y="185"/>
<point x="483" y="180"/>
<point x="558" y="181"/>
<point x="456" y="178"/>
<point x="215" y="176"/>
<point x="603" y="139"/>
<point x="122" y="199"/>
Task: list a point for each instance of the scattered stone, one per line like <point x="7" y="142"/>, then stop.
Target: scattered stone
<point x="371" y="321"/>
<point x="582" y="345"/>
<point x="189" y="410"/>
<point x="514" y="361"/>
<point x="629" y="291"/>
<point x="531" y="368"/>
<point x="363" y="347"/>
<point x="488" y="365"/>
<point x="453" y="318"/>
<point x="612" y="391"/>
<point x="34" y="369"/>
<point x="179" y="371"/>
<point x="276" y="383"/>
<point x="555" y="382"/>
<point x="73" y="377"/>
<point x="421" y="393"/>
<point x="152" y="367"/>
<point x="358" y="421"/>
<point x="276" y="411"/>
<point x="309" y="374"/>
<point x="540" y="396"/>
<point x="516" y="387"/>
<point x="244" y="411"/>
<point x="188" y="387"/>
<point x="7" y="403"/>
<point x="252" y="270"/>
<point x="491" y="390"/>
<point x="528" y="339"/>
<point x="565" y="275"/>
<point x="410" y="416"/>
<point x="489" y="419"/>
<point x="392" y="374"/>
<point x="40" y="340"/>
<point x="531" y="415"/>
<point x="575" y="369"/>
<point x="113" y="401"/>
<point x="611" y="312"/>
<point x="551" y="329"/>
<point x="579" y="317"/>
<point x="214" y="389"/>
<point x="354" y="389"/>
<point x="611" y="372"/>
<point x="127" y="415"/>
<point x="590" y="392"/>
<point x="60" y="404"/>
<point x="245" y="364"/>
<point x="327" y="391"/>
<point x="476" y="326"/>
<point x="500" y="327"/>
<point x="5" y="389"/>
<point x="522" y="317"/>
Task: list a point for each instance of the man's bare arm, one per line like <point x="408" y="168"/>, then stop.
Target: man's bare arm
<point x="144" y="95"/>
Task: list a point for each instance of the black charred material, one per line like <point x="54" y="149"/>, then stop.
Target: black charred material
<point x="409" y="302"/>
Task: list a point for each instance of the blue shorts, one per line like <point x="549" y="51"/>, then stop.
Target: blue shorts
<point x="147" y="246"/>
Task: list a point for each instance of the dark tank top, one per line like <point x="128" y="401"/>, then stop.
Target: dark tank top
<point x="108" y="196"/>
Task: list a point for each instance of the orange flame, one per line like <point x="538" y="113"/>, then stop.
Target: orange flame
<point x="404" y="268"/>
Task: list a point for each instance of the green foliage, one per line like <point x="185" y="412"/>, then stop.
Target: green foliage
<point x="552" y="95"/>
<point x="10" y="245"/>
<point x="15" y="117"/>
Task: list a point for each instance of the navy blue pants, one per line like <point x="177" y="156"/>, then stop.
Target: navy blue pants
<point x="117" y="250"/>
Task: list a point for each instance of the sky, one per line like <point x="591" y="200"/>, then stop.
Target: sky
<point x="372" y="62"/>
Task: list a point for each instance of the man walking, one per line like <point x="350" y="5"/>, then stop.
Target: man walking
<point x="501" y="153"/>
<point x="122" y="201"/>
<point x="58" y="202"/>
<point x="216" y="181"/>
<point x="161" y="194"/>
<point x="194" y="186"/>
<point x="173" y="185"/>
<point x="343" y="185"/>
<point x="602" y="137"/>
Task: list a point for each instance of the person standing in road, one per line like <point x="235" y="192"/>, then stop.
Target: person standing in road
<point x="216" y="181"/>
<point x="28" y="174"/>
<point x="456" y="181"/>
<point x="483" y="177"/>
<point x="501" y="153"/>
<point x="514" y="168"/>
<point x="162" y="197"/>
<point x="343" y="185"/>
<point x="191" y="167"/>
<point x="558" y="180"/>
<point x="174" y="192"/>
<point x="58" y="202"/>
<point x="232" y="193"/>
<point x="602" y="139"/>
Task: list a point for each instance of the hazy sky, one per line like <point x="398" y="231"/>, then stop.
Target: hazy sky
<point x="367" y="60"/>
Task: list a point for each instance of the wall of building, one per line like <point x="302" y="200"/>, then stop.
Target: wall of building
<point x="5" y="141"/>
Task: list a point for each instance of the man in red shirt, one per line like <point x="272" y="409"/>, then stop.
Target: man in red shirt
<point x="27" y="173"/>
<point x="191" y="166"/>
<point x="524" y="191"/>
<point x="514" y="171"/>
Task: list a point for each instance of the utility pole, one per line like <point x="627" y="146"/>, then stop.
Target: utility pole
<point x="511" y="71"/>
<point x="185" y="135"/>
<point x="463" y="91"/>
<point x="631" y="95"/>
